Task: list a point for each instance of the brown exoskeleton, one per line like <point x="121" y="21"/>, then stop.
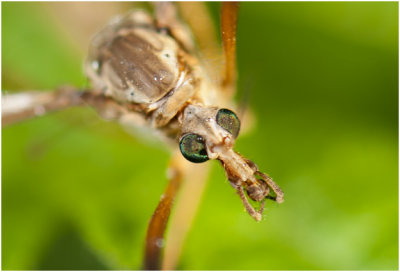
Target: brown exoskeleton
<point x="153" y="67"/>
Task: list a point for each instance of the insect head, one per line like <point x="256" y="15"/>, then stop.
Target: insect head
<point x="210" y="133"/>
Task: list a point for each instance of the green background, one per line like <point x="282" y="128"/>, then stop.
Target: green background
<point x="322" y="81"/>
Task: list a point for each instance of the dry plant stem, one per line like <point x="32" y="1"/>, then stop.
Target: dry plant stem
<point x="228" y="27"/>
<point x="195" y="180"/>
<point x="158" y="222"/>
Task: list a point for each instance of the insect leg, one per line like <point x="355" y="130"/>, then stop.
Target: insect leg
<point x="24" y="105"/>
<point x="204" y="30"/>
<point x="277" y="190"/>
<point x="158" y="222"/>
<point x="166" y="15"/>
<point x="261" y="210"/>
<point x="229" y="14"/>
<point x="257" y="215"/>
<point x="195" y="180"/>
<point x="173" y="104"/>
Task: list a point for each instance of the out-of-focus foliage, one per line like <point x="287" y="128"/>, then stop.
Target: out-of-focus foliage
<point x="77" y="192"/>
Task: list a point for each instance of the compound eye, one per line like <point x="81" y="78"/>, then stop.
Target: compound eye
<point x="229" y="121"/>
<point x="193" y="148"/>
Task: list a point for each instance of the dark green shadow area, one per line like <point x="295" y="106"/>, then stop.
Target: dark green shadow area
<point x="68" y="251"/>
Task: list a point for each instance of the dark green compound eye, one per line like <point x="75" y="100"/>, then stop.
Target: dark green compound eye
<point x="229" y="121"/>
<point x="193" y="148"/>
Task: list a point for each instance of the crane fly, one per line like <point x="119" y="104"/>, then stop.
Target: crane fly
<point x="148" y="71"/>
<point x="155" y="70"/>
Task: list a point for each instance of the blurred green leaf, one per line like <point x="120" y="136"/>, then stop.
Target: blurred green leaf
<point x="323" y="84"/>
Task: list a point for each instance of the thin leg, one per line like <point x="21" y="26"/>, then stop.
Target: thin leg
<point x="25" y="105"/>
<point x="261" y="210"/>
<point x="195" y="180"/>
<point x="278" y="191"/>
<point x="167" y="17"/>
<point x="229" y="13"/>
<point x="159" y="220"/>
<point x="255" y="214"/>
<point x="173" y="104"/>
<point x="204" y="30"/>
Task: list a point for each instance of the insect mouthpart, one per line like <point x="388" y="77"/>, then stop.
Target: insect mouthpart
<point x="210" y="133"/>
<point x="245" y="177"/>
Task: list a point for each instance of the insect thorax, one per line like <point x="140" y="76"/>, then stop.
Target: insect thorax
<point x="132" y="61"/>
